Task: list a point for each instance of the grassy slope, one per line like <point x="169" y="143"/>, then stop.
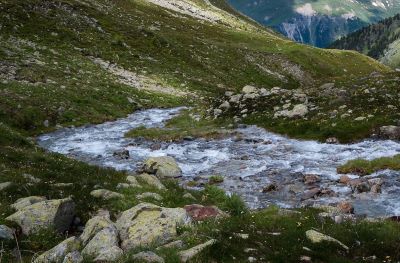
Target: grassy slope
<point x="48" y="43"/>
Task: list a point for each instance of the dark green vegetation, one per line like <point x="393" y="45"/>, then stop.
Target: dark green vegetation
<point x="336" y="111"/>
<point x="48" y="79"/>
<point x="379" y="41"/>
<point x="186" y="125"/>
<point x="365" y="167"/>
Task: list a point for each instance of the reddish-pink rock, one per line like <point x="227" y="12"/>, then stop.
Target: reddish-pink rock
<point x="199" y="212"/>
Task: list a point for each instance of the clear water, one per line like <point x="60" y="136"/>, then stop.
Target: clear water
<point x="247" y="165"/>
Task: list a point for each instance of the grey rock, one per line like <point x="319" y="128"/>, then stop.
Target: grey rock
<point x="147" y="224"/>
<point x="94" y="225"/>
<point x="104" y="245"/>
<point x="186" y="255"/>
<point x="105" y="194"/>
<point x="73" y="257"/>
<point x="151" y="180"/>
<point x="390" y="132"/>
<point x="27" y="201"/>
<point x="57" y="254"/>
<point x="317" y="237"/>
<point x="5" y="185"/>
<point x="148" y="256"/>
<point x="57" y="213"/>
<point x="249" y="89"/>
<point x="6" y="233"/>
<point x="162" y="167"/>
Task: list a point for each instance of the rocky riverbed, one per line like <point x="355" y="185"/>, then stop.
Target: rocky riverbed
<point x="262" y="167"/>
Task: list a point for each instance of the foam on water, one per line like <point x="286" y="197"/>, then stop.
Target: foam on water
<point x="263" y="161"/>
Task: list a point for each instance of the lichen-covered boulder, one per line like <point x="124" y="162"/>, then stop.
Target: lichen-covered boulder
<point x="58" y="253"/>
<point x="105" y="194"/>
<point x="93" y="226"/>
<point x="162" y="167"/>
<point x="104" y="245"/>
<point x="27" y="201"/>
<point x="151" y="180"/>
<point x="57" y="213"/>
<point x="73" y="257"/>
<point x="111" y="254"/>
<point x="148" y="256"/>
<point x="147" y="224"/>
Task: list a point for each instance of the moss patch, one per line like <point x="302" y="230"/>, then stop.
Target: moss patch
<point x="184" y="126"/>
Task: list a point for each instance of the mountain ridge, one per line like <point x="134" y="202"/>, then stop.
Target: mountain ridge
<point x="379" y="41"/>
<point x="329" y="20"/>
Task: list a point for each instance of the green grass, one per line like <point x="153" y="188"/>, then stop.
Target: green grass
<point x="281" y="238"/>
<point x="364" y="167"/>
<point x="183" y="126"/>
<point x="215" y="179"/>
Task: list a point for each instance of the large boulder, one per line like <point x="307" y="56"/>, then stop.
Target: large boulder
<point x="147" y="224"/>
<point x="162" y="167"/>
<point x="27" y="201"/>
<point x="104" y="245"/>
<point x="390" y="132"/>
<point x="298" y="111"/>
<point x="58" y="253"/>
<point x="151" y="180"/>
<point x="57" y="213"/>
<point x="249" y="89"/>
<point x="95" y="225"/>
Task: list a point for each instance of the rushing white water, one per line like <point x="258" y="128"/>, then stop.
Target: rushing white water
<point x="248" y="165"/>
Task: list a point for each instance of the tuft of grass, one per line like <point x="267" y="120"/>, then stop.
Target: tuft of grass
<point x="216" y="179"/>
<point x="231" y="204"/>
<point x="365" y="167"/>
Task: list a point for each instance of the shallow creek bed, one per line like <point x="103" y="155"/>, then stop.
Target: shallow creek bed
<point x="262" y="167"/>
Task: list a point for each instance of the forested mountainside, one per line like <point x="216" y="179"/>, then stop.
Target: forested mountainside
<point x="320" y="22"/>
<point x="380" y="41"/>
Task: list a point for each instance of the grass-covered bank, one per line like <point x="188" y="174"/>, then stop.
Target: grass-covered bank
<point x="275" y="237"/>
<point x="189" y="124"/>
<point x="365" y="167"/>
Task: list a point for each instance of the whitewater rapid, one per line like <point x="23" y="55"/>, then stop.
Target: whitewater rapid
<point x="248" y="164"/>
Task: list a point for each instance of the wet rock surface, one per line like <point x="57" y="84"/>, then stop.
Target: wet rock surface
<point x="301" y="172"/>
